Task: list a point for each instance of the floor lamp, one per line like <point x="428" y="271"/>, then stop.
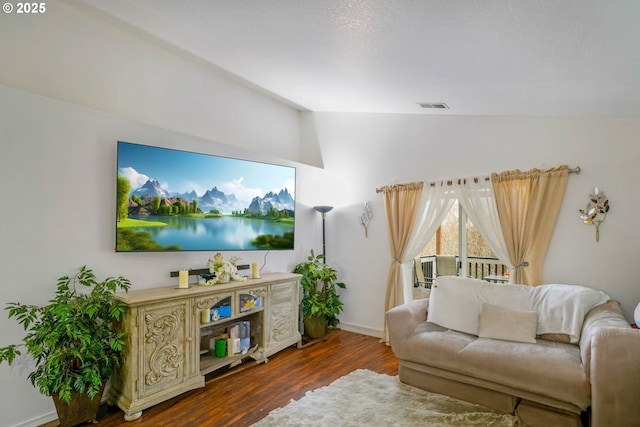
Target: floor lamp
<point x="323" y="210"/>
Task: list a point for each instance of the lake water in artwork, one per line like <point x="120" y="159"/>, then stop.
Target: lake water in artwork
<point x="222" y="233"/>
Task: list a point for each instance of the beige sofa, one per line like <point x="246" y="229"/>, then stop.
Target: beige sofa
<point x="547" y="383"/>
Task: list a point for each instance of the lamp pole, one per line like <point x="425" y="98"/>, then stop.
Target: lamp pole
<point x="323" y="210"/>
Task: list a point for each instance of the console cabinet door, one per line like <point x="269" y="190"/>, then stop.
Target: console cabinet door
<point x="166" y="346"/>
<point x="220" y="306"/>
<point x="283" y="316"/>
<point x="251" y="299"/>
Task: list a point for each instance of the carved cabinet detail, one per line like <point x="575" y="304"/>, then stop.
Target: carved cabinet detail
<point x="283" y="323"/>
<point x="166" y="342"/>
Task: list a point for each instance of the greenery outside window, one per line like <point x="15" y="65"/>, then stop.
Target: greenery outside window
<point x="458" y="236"/>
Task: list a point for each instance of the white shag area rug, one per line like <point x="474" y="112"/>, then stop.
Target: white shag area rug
<point x="366" y="398"/>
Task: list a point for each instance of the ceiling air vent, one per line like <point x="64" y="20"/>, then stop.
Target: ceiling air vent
<point x="434" y="105"/>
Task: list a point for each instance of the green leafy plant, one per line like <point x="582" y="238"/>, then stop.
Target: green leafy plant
<point x="319" y="289"/>
<point x="72" y="339"/>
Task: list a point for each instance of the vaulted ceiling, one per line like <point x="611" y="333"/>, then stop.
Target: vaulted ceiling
<point x="480" y="57"/>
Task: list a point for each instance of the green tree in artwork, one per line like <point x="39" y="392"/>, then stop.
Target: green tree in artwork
<point x="122" y="197"/>
<point x="136" y="199"/>
<point x="155" y="203"/>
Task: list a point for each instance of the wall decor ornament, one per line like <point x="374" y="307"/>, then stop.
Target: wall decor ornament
<point x="365" y="217"/>
<point x="596" y="211"/>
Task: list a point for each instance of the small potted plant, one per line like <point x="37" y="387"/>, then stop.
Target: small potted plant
<point x="321" y="303"/>
<point x="73" y="342"/>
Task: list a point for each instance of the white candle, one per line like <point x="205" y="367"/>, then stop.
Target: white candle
<point x="255" y="273"/>
<point x="204" y="316"/>
<point x="183" y="279"/>
<point x="235" y="345"/>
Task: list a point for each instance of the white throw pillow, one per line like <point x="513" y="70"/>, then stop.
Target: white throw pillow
<point x="456" y="302"/>
<point x="452" y="306"/>
<point x="502" y="323"/>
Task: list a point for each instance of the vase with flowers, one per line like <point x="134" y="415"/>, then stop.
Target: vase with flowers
<point x="224" y="271"/>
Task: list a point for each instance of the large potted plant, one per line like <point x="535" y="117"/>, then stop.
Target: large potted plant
<point x="321" y="303"/>
<point x="73" y="342"/>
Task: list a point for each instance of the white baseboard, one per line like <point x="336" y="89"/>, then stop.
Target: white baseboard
<point x="38" y="421"/>
<point x="359" y="329"/>
<point x="50" y="416"/>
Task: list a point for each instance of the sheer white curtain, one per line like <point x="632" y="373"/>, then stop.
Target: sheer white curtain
<point x="435" y="203"/>
<point x="478" y="201"/>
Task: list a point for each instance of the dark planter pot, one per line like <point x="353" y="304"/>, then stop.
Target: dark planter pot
<point x="79" y="410"/>
<point x="315" y="327"/>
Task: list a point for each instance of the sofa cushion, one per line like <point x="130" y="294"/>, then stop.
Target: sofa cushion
<point x="506" y="324"/>
<point x="546" y="368"/>
<point x="564" y="338"/>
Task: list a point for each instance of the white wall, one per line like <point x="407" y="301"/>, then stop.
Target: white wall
<point x="57" y="180"/>
<point x="365" y="151"/>
<point x="79" y="55"/>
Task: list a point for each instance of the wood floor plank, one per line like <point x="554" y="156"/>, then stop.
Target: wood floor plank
<point x="249" y="394"/>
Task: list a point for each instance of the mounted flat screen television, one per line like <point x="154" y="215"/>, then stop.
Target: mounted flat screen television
<point x="172" y="200"/>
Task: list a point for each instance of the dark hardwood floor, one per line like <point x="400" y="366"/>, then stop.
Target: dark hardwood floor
<point x="250" y="393"/>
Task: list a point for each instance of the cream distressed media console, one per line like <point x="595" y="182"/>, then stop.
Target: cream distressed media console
<point x="169" y="344"/>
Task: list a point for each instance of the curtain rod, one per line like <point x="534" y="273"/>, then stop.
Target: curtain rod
<point x="449" y="182"/>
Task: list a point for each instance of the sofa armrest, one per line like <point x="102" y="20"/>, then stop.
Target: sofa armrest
<point x="615" y="377"/>
<point x="403" y="319"/>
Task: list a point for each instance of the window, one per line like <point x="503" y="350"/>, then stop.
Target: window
<point x="445" y="242"/>
<point x="457" y="236"/>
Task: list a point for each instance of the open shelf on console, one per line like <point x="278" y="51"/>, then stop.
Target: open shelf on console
<point x="209" y="362"/>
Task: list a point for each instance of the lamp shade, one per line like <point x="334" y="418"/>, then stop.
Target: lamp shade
<point x="323" y="209"/>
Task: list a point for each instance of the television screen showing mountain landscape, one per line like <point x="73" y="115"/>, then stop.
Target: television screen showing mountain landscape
<point x="172" y="200"/>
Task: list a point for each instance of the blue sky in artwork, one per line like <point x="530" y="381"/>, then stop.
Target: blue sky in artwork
<point x="182" y="171"/>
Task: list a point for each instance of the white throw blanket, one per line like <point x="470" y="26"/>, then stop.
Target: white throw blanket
<point x="456" y="303"/>
<point x="562" y="308"/>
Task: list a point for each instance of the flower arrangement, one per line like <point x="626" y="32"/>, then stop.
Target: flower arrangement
<point x="223" y="270"/>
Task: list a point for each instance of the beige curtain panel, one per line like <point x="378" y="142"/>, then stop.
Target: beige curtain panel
<point x="528" y="204"/>
<point x="401" y="204"/>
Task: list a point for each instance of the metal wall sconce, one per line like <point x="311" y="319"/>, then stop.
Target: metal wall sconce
<point x="366" y="217"/>
<point x="596" y="211"/>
